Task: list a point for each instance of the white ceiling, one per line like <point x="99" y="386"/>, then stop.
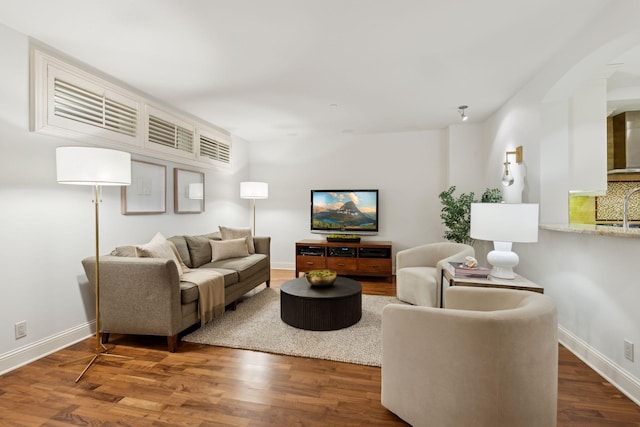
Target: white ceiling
<point x="271" y="69"/>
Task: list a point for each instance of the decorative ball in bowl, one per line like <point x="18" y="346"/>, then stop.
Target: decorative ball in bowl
<point x="321" y="277"/>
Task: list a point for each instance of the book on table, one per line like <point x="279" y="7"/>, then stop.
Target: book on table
<point x="461" y="270"/>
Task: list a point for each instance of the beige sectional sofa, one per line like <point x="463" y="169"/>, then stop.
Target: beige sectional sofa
<point x="145" y="296"/>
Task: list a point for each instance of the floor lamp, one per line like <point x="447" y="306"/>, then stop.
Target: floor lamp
<point x="254" y="191"/>
<point x="95" y="167"/>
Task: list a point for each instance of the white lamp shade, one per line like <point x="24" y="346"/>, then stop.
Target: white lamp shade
<point x="254" y="190"/>
<point x="196" y="190"/>
<point x="504" y="222"/>
<point x="92" y="166"/>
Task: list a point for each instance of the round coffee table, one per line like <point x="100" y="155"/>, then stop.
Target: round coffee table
<point x="318" y="308"/>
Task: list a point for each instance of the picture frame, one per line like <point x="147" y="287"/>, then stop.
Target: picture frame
<point x="188" y="191"/>
<point x="147" y="194"/>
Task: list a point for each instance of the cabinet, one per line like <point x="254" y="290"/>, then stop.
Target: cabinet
<point x="345" y="258"/>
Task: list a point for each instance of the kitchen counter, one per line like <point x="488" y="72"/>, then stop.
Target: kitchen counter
<point x="601" y="230"/>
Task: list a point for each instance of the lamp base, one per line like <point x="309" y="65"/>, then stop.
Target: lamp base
<point x="503" y="259"/>
<point x="100" y="351"/>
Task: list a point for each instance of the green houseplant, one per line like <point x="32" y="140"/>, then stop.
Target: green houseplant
<point x="456" y="212"/>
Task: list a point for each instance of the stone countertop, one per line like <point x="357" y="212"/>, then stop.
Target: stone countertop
<point x="601" y="230"/>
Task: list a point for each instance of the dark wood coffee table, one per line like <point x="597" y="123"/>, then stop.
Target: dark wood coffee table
<point x="321" y="308"/>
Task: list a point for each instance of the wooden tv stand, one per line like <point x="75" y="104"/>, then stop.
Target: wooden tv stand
<point x="371" y="258"/>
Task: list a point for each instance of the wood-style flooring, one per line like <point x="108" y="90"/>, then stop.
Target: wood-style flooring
<point x="214" y="386"/>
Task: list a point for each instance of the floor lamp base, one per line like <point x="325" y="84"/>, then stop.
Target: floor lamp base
<point x="93" y="358"/>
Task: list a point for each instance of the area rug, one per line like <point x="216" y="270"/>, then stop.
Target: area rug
<point x="256" y="325"/>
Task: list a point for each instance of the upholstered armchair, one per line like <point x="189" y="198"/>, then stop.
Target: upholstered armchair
<point x="419" y="271"/>
<point x="489" y="358"/>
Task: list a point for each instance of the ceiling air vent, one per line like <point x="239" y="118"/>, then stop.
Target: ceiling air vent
<point x="170" y="135"/>
<point x="74" y="103"/>
<point x="215" y="150"/>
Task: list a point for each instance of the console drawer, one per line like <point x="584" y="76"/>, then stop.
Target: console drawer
<point x="306" y="263"/>
<point x="374" y="265"/>
<point x="342" y="264"/>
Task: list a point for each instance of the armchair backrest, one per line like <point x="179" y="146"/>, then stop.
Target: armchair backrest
<point x="430" y="254"/>
<point x="490" y="358"/>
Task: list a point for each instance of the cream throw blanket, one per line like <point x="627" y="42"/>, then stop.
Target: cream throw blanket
<point x="211" y="288"/>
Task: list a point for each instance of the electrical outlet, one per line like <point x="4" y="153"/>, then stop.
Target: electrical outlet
<point x="628" y="350"/>
<point x="21" y="329"/>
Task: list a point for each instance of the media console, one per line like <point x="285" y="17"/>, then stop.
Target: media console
<point x="345" y="258"/>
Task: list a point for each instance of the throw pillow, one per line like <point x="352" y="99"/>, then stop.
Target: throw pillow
<point x="159" y="247"/>
<point x="199" y="250"/>
<point x="224" y="249"/>
<point x="125" y="251"/>
<point x="175" y="251"/>
<point x="228" y="233"/>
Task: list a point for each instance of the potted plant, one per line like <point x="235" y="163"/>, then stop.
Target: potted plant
<point x="456" y="212"/>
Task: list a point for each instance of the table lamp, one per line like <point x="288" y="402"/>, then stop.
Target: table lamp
<point x="504" y="223"/>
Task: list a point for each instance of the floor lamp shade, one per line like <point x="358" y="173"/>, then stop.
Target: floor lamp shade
<point x="254" y="190"/>
<point x="95" y="167"/>
<point x="504" y="223"/>
<point x="92" y="166"/>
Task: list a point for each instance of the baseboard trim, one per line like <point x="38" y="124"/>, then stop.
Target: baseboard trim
<point x="44" y="347"/>
<point x="283" y="266"/>
<point x="622" y="380"/>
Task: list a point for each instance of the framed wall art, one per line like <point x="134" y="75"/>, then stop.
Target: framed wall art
<point x="188" y="191"/>
<point x="147" y="193"/>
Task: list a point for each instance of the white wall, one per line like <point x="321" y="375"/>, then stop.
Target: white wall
<point x="592" y="279"/>
<point x="408" y="168"/>
<point x="48" y="228"/>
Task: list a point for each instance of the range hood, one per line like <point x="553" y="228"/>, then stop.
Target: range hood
<point x="626" y="143"/>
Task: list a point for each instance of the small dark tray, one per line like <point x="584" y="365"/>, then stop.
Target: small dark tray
<point x="345" y="240"/>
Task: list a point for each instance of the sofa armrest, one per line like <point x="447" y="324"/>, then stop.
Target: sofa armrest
<point x="137" y="295"/>
<point x="262" y="244"/>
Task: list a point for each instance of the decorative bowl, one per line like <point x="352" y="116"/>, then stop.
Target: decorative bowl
<point x="321" y="277"/>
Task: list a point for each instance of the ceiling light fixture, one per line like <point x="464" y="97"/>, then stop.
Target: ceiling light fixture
<point x="463" y="115"/>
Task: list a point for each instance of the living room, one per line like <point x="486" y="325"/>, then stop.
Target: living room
<point x="591" y="278"/>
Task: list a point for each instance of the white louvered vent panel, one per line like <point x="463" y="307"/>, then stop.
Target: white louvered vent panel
<point x="74" y="103"/>
<point x="184" y="139"/>
<point x="170" y="135"/>
<point x="215" y="150"/>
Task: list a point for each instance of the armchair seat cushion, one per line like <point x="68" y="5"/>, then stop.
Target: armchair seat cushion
<point x="419" y="285"/>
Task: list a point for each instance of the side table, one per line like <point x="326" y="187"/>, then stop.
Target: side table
<point x="519" y="283"/>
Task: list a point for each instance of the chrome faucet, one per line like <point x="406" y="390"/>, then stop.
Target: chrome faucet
<point x="625" y="208"/>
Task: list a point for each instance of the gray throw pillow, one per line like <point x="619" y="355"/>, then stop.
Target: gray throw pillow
<point x="199" y="250"/>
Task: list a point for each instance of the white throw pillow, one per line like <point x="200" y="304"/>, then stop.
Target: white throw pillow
<point x="228" y="233"/>
<point x="159" y="247"/>
<point x="223" y="249"/>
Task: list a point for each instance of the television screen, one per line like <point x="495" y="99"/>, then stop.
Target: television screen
<point x="351" y="211"/>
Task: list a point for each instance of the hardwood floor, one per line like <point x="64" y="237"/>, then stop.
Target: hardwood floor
<point x="214" y="386"/>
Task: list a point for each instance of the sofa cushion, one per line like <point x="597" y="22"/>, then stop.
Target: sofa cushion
<point x="183" y="249"/>
<point x="228" y="233"/>
<point x="199" y="250"/>
<point x="188" y="292"/>
<point x="224" y="249"/>
<point x="245" y="266"/>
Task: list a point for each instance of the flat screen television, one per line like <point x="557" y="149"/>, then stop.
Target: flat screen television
<point x="351" y="211"/>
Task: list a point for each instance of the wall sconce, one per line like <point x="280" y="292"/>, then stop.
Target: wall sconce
<point x="507" y="177"/>
<point x="463" y="115"/>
